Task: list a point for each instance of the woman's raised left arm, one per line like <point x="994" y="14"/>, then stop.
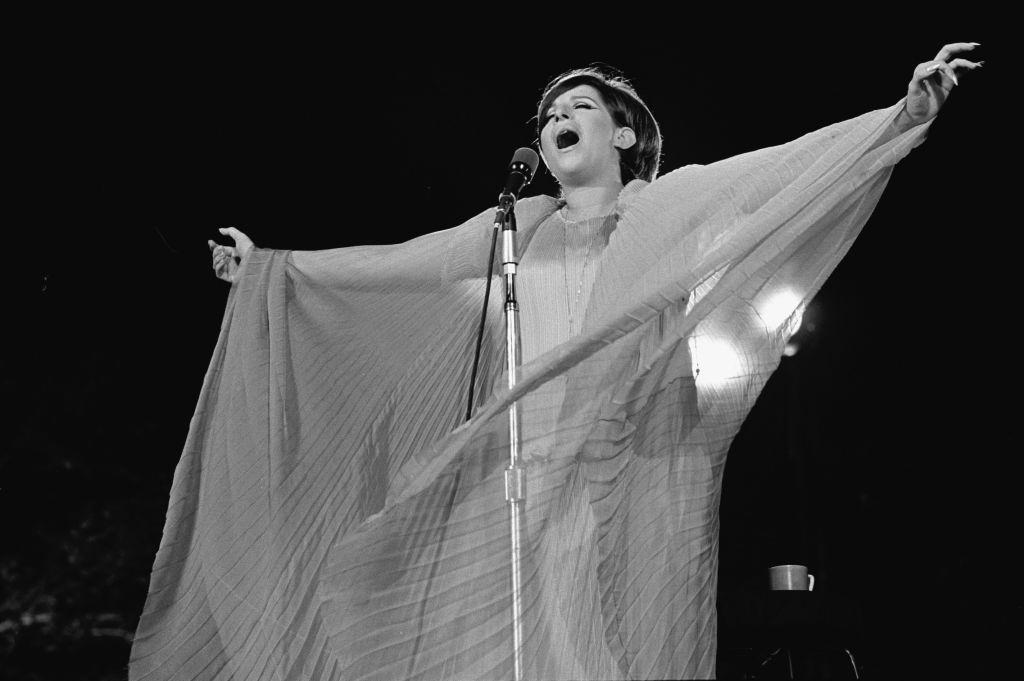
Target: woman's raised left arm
<point x="931" y="84"/>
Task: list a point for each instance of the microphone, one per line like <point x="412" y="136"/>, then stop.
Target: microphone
<point x="520" y="172"/>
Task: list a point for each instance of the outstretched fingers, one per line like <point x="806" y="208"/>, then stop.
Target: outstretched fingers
<point x="947" y="70"/>
<point x="945" y="66"/>
<point x="965" y="64"/>
<point x="949" y="50"/>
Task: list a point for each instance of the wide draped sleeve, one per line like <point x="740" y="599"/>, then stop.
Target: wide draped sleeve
<point x="331" y="368"/>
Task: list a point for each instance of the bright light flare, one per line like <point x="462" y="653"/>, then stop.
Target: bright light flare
<point x="779" y="307"/>
<point x="715" y="361"/>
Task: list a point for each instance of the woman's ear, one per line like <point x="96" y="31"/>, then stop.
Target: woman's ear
<point x="624" y="138"/>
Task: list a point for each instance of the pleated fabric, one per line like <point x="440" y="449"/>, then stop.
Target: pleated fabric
<point x="332" y="517"/>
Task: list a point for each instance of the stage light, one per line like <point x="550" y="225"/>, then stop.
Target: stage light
<point x="715" y="361"/>
<point x="779" y="307"/>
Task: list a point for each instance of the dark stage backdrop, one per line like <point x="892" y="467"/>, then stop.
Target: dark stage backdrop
<point x="874" y="454"/>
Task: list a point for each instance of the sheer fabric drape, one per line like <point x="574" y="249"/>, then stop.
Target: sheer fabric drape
<point x="332" y="518"/>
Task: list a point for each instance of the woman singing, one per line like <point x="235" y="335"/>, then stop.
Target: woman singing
<point x="333" y="517"/>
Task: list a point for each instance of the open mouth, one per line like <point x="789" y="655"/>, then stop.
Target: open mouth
<point x="566" y="139"/>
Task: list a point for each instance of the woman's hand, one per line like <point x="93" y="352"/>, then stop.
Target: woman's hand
<point x="934" y="80"/>
<point x="227" y="259"/>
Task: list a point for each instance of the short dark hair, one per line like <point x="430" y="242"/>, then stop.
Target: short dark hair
<point x="627" y="109"/>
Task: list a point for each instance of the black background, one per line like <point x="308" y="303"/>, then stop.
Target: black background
<point x="876" y="455"/>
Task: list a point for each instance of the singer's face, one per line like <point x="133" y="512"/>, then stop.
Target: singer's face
<point x="580" y="141"/>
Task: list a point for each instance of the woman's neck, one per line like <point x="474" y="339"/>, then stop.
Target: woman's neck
<point x="582" y="203"/>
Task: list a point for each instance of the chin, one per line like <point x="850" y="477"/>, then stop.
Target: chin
<point x="572" y="173"/>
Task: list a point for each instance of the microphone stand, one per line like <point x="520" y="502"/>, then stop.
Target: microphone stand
<point x="515" y="474"/>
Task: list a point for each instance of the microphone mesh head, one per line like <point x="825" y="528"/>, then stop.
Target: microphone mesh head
<point x="527" y="156"/>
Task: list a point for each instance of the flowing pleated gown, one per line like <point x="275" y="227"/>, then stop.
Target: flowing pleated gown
<point x="332" y="517"/>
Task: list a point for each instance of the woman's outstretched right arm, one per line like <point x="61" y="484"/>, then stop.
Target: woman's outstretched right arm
<point x="455" y="254"/>
<point x="420" y="260"/>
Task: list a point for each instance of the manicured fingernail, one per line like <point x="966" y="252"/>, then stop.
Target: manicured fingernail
<point x="955" y="81"/>
<point x="932" y="67"/>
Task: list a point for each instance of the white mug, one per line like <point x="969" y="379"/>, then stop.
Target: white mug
<point x="790" y="578"/>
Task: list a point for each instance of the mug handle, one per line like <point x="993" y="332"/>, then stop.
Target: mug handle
<point x="811" y="579"/>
